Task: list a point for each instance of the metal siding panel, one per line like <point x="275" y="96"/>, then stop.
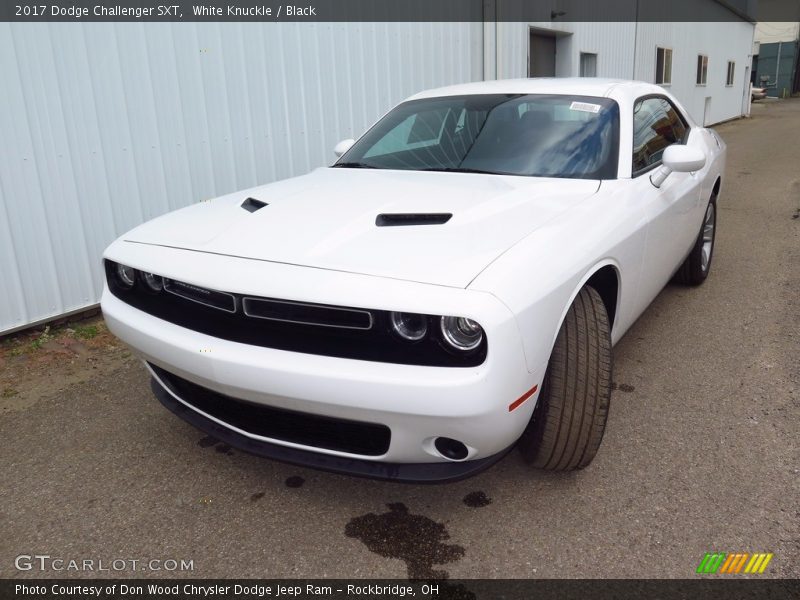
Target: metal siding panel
<point x="721" y="42"/>
<point x="11" y="296"/>
<point x="628" y="50"/>
<point x="170" y="133"/>
<point x="21" y="174"/>
<point x="109" y="124"/>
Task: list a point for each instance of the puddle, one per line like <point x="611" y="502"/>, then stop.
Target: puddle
<point x="414" y="539"/>
<point x="477" y="499"/>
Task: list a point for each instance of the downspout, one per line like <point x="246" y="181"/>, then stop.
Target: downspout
<point x="635" y="39"/>
<point x="490" y="47"/>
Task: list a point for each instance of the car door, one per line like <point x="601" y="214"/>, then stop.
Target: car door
<point x="671" y="209"/>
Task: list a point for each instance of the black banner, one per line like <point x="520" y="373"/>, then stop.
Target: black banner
<point x="400" y="10"/>
<point x="712" y="588"/>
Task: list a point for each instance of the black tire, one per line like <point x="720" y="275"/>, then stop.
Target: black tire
<point x="568" y="423"/>
<point x="695" y="269"/>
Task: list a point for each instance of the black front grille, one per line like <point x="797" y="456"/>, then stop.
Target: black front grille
<point x="353" y="437"/>
<point x="212" y="298"/>
<point x="344" y="332"/>
<point x="303" y="313"/>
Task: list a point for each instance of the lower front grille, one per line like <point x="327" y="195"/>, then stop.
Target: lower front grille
<point x="353" y="437"/>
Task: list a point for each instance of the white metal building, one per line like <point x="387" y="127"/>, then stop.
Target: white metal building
<point x="106" y="125"/>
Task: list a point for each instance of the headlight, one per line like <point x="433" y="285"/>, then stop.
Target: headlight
<point x="461" y="333"/>
<point x="126" y="276"/>
<point x="155" y="283"/>
<point x="409" y="326"/>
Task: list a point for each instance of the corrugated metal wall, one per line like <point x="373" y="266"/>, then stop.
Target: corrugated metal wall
<point x="721" y="42"/>
<point x="778" y="62"/>
<point x="628" y="50"/>
<point x="104" y="126"/>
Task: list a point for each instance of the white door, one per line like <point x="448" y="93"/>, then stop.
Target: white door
<point x="671" y="210"/>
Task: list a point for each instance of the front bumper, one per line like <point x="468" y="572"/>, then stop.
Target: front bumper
<point x="417" y="403"/>
<point x="404" y="473"/>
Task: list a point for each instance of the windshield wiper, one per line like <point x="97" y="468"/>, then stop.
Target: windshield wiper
<point x="465" y="170"/>
<point x="354" y="165"/>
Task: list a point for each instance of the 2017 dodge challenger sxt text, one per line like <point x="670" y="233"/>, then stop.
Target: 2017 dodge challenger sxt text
<point x="449" y="288"/>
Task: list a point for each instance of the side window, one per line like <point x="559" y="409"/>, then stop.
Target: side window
<point x="678" y="126"/>
<point x="656" y="125"/>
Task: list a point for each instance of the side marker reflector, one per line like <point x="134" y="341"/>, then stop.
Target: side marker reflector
<point x="518" y="402"/>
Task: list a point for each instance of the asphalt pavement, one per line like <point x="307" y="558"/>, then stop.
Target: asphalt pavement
<point x="701" y="451"/>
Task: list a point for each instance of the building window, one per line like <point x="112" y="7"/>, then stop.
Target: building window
<point x="664" y="66"/>
<point x="702" y="69"/>
<point x="588" y="64"/>
<point x="731" y="70"/>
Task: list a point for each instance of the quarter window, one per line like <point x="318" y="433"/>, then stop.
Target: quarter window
<point x="702" y="69"/>
<point x="663" y="66"/>
<point x="656" y="125"/>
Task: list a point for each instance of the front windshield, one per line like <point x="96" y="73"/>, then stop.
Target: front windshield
<point x="509" y="134"/>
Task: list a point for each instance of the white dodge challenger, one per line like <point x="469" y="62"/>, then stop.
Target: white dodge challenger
<point x="450" y="288"/>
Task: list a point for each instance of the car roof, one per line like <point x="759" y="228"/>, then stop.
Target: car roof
<point x="577" y="86"/>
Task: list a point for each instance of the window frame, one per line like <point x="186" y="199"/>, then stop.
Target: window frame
<point x="701" y="77"/>
<point x="730" y="76"/>
<point x="681" y="116"/>
<point x="581" y="55"/>
<point x="664" y="82"/>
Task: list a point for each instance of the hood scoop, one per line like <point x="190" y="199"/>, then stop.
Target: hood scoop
<point x="252" y="205"/>
<point x="407" y="219"/>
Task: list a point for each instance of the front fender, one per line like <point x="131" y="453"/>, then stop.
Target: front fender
<point x="540" y="321"/>
<point x="539" y="278"/>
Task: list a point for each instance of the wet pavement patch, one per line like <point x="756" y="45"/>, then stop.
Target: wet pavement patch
<point x="414" y="539"/>
<point x="207" y="441"/>
<point x="622" y="387"/>
<point x="477" y="499"/>
<point x="221" y="447"/>
<point x="257" y="496"/>
<point x="295" y="481"/>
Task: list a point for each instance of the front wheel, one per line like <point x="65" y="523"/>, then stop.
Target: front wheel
<point x="697" y="265"/>
<point x="569" y="420"/>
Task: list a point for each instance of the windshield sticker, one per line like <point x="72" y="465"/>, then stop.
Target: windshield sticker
<point x="585" y="107"/>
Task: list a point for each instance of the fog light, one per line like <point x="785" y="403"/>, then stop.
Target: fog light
<point x="452" y="449"/>
<point x="409" y="326"/>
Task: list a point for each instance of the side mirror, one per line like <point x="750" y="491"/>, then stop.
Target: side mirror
<point x="678" y="159"/>
<point x="343" y="147"/>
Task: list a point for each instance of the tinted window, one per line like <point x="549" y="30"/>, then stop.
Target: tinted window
<point x="656" y="125"/>
<point x="511" y="134"/>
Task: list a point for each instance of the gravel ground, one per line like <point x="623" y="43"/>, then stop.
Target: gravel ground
<point x="701" y="452"/>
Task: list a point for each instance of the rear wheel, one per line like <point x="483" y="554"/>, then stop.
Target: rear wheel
<point x="697" y="265"/>
<point x="569" y="420"/>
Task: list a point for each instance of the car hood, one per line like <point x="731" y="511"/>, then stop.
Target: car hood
<point x="327" y="220"/>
